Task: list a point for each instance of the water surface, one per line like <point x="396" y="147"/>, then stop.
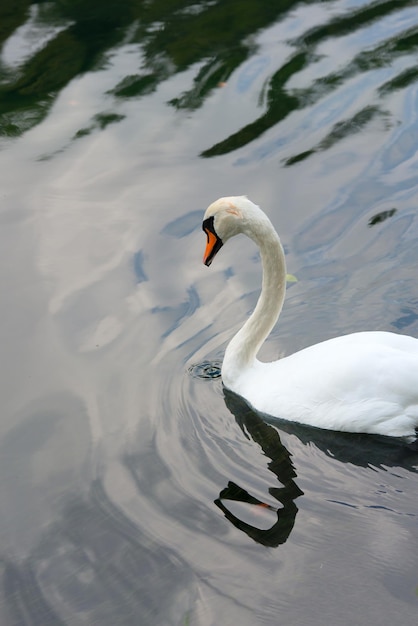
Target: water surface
<point x="130" y="486"/>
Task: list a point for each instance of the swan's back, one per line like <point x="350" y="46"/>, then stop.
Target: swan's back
<point x="364" y="382"/>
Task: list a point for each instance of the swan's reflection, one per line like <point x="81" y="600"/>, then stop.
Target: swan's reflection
<point x="362" y="450"/>
<point x="281" y="465"/>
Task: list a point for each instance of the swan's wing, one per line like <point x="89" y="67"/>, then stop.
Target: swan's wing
<point x="366" y="382"/>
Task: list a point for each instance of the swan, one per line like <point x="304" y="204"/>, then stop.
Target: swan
<point x="365" y="382"/>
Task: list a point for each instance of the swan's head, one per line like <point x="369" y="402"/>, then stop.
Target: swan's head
<point x="228" y="217"/>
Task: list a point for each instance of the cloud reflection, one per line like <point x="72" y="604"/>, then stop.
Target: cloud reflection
<point x="94" y="565"/>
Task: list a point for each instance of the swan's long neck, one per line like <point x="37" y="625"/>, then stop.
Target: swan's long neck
<point x="242" y="350"/>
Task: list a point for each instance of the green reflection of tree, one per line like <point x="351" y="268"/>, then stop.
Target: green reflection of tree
<point x="92" y="28"/>
<point x="12" y="14"/>
<point x="211" y="29"/>
<point x="404" y="79"/>
<point x="341" y="130"/>
<point x="216" y="36"/>
<point x="281" y="102"/>
<point x="174" y="34"/>
<point x="279" y="105"/>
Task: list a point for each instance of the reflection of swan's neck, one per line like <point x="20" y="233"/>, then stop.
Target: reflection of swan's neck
<point x="243" y="348"/>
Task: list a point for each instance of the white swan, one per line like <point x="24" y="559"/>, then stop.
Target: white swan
<point x="365" y="382"/>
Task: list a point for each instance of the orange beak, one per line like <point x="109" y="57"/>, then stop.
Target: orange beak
<point x="209" y="246"/>
<point x="213" y="244"/>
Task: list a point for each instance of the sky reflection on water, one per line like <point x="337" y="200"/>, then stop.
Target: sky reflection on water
<point x="113" y="458"/>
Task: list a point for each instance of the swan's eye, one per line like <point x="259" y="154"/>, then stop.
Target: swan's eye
<point x="208" y="225"/>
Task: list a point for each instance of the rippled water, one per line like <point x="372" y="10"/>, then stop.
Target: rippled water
<point x="133" y="489"/>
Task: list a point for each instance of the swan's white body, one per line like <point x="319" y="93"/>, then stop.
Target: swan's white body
<point x="364" y="382"/>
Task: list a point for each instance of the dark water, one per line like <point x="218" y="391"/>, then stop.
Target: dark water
<point x="130" y="487"/>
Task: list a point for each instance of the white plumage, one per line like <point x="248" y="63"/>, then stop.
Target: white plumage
<point x="364" y="382"/>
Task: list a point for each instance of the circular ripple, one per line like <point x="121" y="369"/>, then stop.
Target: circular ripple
<point x="206" y="369"/>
